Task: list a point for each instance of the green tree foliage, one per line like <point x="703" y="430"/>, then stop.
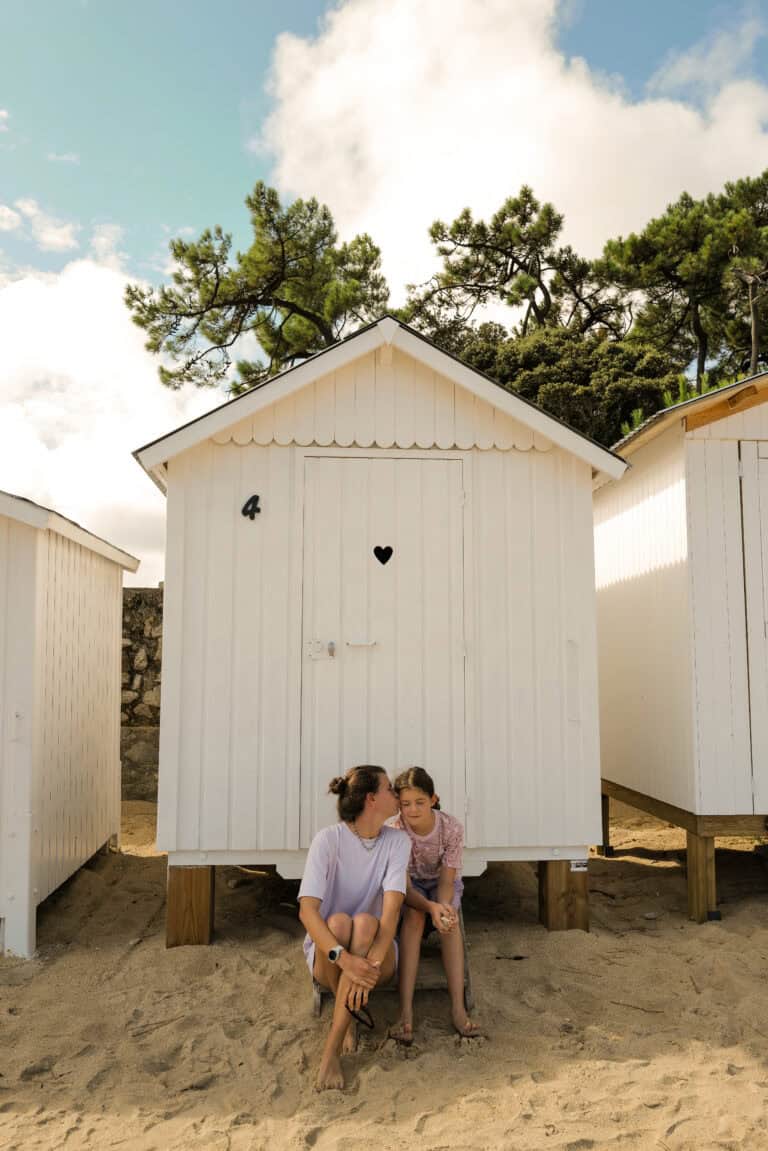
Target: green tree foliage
<point x="591" y="382"/>
<point x="688" y="268"/>
<point x="514" y="260"/>
<point x="296" y="289"/>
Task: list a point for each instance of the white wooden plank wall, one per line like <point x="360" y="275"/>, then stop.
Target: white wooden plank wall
<point x="230" y="728"/>
<point x="385" y="399"/>
<point x="724" y="783"/>
<point x="533" y="773"/>
<point x="643" y="612"/>
<point x="231" y="648"/>
<point x="18" y="593"/>
<point x="754" y="460"/>
<point x="751" y="424"/>
<point x="76" y="788"/>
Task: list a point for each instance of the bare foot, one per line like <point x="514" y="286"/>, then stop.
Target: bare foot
<point x="464" y="1027"/>
<point x="402" y="1032"/>
<point x="330" y="1077"/>
<point x="349" y="1046"/>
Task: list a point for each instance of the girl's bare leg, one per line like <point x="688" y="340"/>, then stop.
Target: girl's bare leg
<point x="453" y="961"/>
<point x="411" y="932"/>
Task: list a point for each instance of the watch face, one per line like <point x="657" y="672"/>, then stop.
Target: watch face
<point x="334" y="953"/>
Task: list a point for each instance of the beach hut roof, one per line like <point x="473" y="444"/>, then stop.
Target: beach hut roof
<point x="154" y="456"/>
<point x="25" y="511"/>
<point x="708" y="408"/>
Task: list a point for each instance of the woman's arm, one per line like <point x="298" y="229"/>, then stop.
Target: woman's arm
<point x="390" y="914"/>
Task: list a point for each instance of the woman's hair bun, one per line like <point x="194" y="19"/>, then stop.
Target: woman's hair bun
<point x="338" y="785"/>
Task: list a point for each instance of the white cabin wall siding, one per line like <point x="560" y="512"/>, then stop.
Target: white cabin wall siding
<point x="18" y="559"/>
<point x="76" y="789"/>
<point x="534" y="759"/>
<point x="644" y="625"/>
<point x="724" y="777"/>
<point x="230" y="727"/>
<point x="231" y="646"/>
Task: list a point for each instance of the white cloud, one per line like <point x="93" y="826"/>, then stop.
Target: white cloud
<point x="9" y="220"/>
<point x="398" y="113"/>
<point x="50" y="234"/>
<point x="63" y="157"/>
<point x="4" y="117"/>
<point x="104" y="247"/>
<point x="78" y="393"/>
<point x="723" y="56"/>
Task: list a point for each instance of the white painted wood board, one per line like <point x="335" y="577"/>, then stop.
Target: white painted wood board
<point x="724" y="776"/>
<point x="644" y="625"/>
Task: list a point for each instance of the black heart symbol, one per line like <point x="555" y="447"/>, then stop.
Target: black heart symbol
<point x="383" y="554"/>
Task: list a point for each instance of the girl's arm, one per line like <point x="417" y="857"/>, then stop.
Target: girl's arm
<point x="436" y="910"/>
<point x="445" y="885"/>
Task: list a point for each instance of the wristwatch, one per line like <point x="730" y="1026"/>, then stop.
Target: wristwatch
<point x="335" y="952"/>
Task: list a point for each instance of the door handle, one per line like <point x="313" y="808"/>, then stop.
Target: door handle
<point x="361" y="643"/>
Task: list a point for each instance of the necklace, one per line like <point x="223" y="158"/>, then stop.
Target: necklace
<point x="368" y="844"/>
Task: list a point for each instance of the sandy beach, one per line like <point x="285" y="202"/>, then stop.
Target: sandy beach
<point x="650" y="1032"/>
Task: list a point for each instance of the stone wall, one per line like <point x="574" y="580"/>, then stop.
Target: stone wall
<point x="140" y="714"/>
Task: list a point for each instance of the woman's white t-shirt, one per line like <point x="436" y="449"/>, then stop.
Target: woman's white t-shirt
<point x="349" y="877"/>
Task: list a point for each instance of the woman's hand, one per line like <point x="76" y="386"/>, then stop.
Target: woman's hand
<point x="443" y="917"/>
<point x="363" y="977"/>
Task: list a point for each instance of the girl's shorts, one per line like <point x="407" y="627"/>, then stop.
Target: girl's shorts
<point x="428" y="888"/>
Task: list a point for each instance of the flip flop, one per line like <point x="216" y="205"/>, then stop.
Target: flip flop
<point x="402" y="1037"/>
<point x="470" y="1030"/>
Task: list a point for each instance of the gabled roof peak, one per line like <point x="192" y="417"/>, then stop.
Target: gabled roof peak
<point x="389" y="332"/>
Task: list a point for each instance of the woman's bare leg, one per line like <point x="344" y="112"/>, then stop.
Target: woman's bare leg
<point x="364" y="930"/>
<point x="411" y="932"/>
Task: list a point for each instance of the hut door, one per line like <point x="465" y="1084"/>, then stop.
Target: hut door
<point x="754" y="494"/>
<point x="383" y="625"/>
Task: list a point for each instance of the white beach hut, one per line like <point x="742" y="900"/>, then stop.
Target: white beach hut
<point x="60" y="637"/>
<point x="681" y="549"/>
<point x="377" y="556"/>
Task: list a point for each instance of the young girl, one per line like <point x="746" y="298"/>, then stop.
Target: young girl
<point x="434" y="890"/>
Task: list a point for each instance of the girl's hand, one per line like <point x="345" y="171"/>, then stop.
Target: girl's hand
<point x="443" y="917"/>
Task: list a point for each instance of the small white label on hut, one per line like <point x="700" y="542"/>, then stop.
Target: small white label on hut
<point x="578" y="865"/>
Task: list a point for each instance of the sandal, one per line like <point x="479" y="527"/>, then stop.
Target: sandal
<point x="470" y="1030"/>
<point x="362" y="1015"/>
<point x="402" y="1034"/>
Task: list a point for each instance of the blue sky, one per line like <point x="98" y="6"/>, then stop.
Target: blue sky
<point x="142" y="115"/>
<point x="123" y="124"/>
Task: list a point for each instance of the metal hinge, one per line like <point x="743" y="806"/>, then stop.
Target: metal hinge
<point x="741" y="469"/>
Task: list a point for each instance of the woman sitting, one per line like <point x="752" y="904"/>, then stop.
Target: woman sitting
<point x="350" y="898"/>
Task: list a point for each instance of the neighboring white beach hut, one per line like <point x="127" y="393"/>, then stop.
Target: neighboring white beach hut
<point x="681" y="549"/>
<point x="377" y="556"/>
<point x="60" y="645"/>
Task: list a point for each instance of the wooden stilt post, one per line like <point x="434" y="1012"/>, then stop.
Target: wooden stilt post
<point x="563" y="895"/>
<point x="702" y="882"/>
<point x="605" y="810"/>
<point x="189" y="912"/>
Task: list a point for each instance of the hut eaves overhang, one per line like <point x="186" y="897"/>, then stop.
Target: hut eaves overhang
<point x="154" y="456"/>
<point x="25" y="511"/>
<point x="712" y="406"/>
